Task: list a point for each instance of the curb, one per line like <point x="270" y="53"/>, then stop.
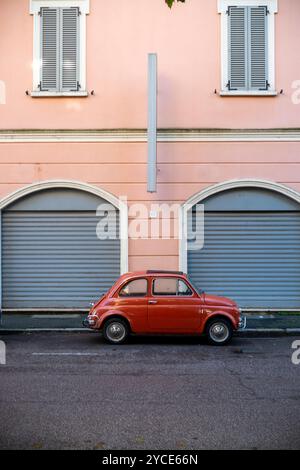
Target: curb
<point x="251" y="332"/>
<point x="46" y="330"/>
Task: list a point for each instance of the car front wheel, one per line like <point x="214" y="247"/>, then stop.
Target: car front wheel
<point x="219" y="332"/>
<point x="115" y="331"/>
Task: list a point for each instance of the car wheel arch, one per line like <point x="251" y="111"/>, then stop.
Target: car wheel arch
<point x="219" y="316"/>
<point x="115" y="315"/>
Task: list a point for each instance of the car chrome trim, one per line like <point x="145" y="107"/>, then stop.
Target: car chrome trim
<point x="242" y="322"/>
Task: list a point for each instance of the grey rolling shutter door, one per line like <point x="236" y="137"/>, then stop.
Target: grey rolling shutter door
<point x="69" y="49"/>
<point x="237" y="48"/>
<point x="54" y="260"/>
<point x="49" y="49"/>
<point x="253" y="258"/>
<point x="258" y="47"/>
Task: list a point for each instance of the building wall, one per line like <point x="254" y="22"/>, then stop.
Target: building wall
<point x="120" y="34"/>
<point x="121" y="169"/>
<point x="187" y="39"/>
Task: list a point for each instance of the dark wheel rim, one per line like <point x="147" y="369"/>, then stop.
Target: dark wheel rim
<point x="116" y="332"/>
<point x="219" y="332"/>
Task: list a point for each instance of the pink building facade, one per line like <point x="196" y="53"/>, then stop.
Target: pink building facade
<point x="228" y="127"/>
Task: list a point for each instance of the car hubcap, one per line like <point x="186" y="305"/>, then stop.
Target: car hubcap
<point x="116" y="331"/>
<point x="219" y="332"/>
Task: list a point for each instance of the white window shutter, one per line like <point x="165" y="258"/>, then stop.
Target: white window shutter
<point x="69" y="49"/>
<point x="49" y="49"/>
<point x="237" y="30"/>
<point x="258" y="48"/>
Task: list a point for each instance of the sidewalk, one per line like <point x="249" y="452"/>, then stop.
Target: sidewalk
<point x="25" y="322"/>
<point x="264" y="324"/>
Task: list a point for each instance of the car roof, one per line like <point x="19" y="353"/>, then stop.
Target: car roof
<point x="137" y="274"/>
<point x="151" y="273"/>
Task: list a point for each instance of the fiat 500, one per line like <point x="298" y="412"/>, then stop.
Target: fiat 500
<point x="162" y="302"/>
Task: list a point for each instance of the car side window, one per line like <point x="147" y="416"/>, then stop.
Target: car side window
<point x="184" y="289"/>
<point x="135" y="288"/>
<point x="170" y="286"/>
<point x="165" y="286"/>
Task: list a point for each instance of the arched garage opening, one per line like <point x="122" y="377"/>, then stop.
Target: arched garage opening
<point x="51" y="257"/>
<point x="251" y="246"/>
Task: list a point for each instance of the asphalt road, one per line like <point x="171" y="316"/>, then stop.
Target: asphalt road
<point x="72" y="391"/>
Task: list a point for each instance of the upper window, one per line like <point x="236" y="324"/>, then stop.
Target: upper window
<point x="170" y="286"/>
<point x="59" y="47"/>
<point x="248" y="46"/>
<point x="135" y="288"/>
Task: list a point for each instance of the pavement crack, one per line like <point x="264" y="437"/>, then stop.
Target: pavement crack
<point x="242" y="384"/>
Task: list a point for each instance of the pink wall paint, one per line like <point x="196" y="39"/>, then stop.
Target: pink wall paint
<point x="120" y="33"/>
<point x="184" y="169"/>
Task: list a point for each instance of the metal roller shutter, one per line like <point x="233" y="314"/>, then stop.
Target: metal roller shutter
<point x="252" y="257"/>
<point x="55" y="260"/>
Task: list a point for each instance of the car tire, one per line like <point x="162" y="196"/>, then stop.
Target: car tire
<point x="116" y="331"/>
<point x="219" y="331"/>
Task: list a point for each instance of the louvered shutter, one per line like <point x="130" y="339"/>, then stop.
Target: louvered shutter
<point x="69" y="49"/>
<point x="49" y="49"/>
<point x="237" y="48"/>
<point x="248" y="68"/>
<point x="258" y="47"/>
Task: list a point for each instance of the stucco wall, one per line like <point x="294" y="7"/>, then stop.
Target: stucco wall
<point x="120" y="33"/>
<point x="184" y="169"/>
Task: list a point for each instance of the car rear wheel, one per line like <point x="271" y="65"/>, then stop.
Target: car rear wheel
<point x="115" y="331"/>
<point x="219" y="331"/>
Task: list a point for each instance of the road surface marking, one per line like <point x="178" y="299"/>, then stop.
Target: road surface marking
<point x="67" y="354"/>
<point x="56" y="316"/>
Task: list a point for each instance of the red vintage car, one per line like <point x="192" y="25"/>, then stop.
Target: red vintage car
<point x="162" y="302"/>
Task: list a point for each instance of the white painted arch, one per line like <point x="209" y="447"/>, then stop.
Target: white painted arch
<point x="77" y="185"/>
<point x="218" y="188"/>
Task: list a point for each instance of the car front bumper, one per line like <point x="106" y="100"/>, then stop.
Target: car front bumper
<point x="89" y="322"/>
<point x="242" y="323"/>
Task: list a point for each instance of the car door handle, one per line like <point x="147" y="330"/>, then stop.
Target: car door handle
<point x="152" y="302"/>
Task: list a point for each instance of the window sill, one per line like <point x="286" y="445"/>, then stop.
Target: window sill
<point x="248" y="93"/>
<point x="51" y="94"/>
